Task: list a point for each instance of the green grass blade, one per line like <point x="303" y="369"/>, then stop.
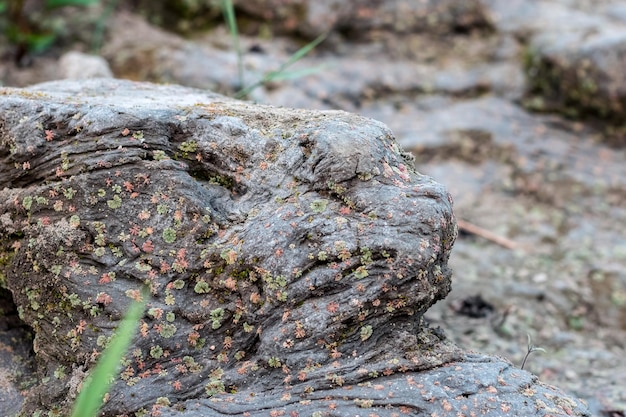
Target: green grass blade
<point x="303" y="72"/>
<point x="300" y="53"/>
<point x="231" y="21"/>
<point x="51" y="4"/>
<point x="97" y="384"/>
<point x="274" y="75"/>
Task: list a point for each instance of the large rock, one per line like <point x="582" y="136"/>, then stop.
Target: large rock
<point x="290" y="256"/>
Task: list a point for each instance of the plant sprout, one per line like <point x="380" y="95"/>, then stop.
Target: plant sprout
<point x="531" y="348"/>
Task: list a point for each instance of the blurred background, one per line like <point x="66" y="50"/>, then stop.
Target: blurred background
<point x="517" y="106"/>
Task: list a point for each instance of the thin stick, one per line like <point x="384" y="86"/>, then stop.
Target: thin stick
<point x="484" y="233"/>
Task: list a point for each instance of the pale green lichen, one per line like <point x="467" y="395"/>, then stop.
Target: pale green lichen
<point x="274" y="362"/>
<point x="75" y="221"/>
<point x="69" y="193"/>
<point x="188" y="146"/>
<point x="156" y="352"/>
<point x="169" y="235"/>
<point x="229" y="255"/>
<point x="115" y="203"/>
<point x="27" y="202"/>
<point x="159" y="155"/>
<point x="366" y="332"/>
<point x="164" y="401"/>
<point x="215" y="385"/>
<point x="167" y="330"/>
<point x="217" y="316"/>
<point x="361" y="272"/>
<point x="201" y="287"/>
<point x="319" y="206"/>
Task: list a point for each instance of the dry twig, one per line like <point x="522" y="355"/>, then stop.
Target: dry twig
<point x="486" y="234"/>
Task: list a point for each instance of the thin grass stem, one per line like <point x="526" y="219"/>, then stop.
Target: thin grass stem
<point x="231" y="21"/>
<point x="97" y="384"/>
<point x="531" y="348"/>
<point x="280" y="72"/>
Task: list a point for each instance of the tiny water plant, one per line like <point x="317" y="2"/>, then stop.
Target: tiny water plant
<point x="531" y="348"/>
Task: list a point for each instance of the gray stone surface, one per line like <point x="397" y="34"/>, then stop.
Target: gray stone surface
<point x="478" y="385"/>
<point x="290" y="256"/>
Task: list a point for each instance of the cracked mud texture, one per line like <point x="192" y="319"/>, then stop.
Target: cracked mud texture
<point x="290" y="257"/>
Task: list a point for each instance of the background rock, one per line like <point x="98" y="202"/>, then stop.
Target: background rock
<point x="573" y="58"/>
<point x="311" y="18"/>
<point x="76" y="65"/>
<point x="580" y="73"/>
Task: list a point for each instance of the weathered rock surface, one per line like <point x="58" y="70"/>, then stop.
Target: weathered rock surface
<point x="290" y="256"/>
<point x="477" y="384"/>
<point x="275" y="242"/>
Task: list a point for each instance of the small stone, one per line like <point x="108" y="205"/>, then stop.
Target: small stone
<point x="76" y="65"/>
